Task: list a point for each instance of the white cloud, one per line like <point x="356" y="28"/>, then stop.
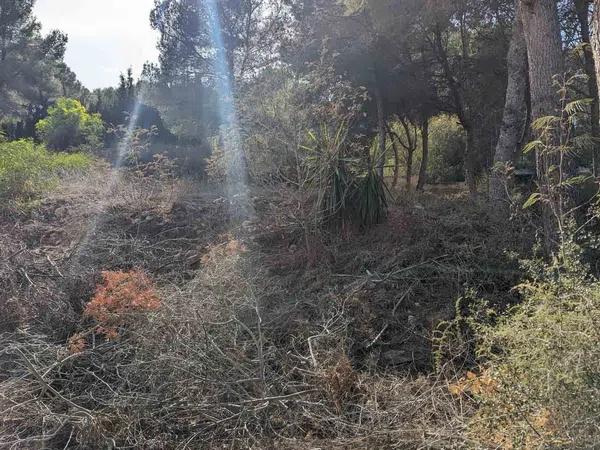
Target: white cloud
<point x="105" y="36"/>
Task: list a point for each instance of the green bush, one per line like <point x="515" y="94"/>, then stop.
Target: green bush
<point x="446" y="150"/>
<point x="543" y="369"/>
<point x="69" y="125"/>
<point x="26" y="168"/>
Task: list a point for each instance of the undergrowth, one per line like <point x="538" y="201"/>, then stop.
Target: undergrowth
<point x="28" y="169"/>
<point x="544" y="360"/>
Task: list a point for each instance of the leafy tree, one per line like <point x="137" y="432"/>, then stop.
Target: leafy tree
<point x="32" y="70"/>
<point x="69" y="126"/>
<point x="447" y="139"/>
<point x="469" y="39"/>
<point x="183" y="85"/>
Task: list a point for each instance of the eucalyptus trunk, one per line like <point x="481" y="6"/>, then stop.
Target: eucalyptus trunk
<point x="582" y="8"/>
<point x="545" y="58"/>
<point x="515" y="114"/>
<point x="595" y="41"/>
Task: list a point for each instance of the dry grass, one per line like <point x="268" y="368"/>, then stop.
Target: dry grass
<point x="266" y="337"/>
<point x="209" y="366"/>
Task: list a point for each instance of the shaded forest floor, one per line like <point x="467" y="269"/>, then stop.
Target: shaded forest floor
<point x="267" y="337"/>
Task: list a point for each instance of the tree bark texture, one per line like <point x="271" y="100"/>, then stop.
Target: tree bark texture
<point x="545" y="58"/>
<point x="515" y="114"/>
<point x="582" y="8"/>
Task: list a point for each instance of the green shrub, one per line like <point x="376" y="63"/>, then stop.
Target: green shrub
<point x="543" y="366"/>
<point x="26" y="169"/>
<point x="371" y="193"/>
<point x="69" y="126"/>
<point x="446" y="150"/>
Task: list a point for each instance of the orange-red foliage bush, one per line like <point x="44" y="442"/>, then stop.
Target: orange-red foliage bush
<point x="120" y="295"/>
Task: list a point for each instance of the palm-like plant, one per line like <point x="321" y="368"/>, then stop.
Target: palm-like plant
<point x="372" y="198"/>
<point x="345" y="194"/>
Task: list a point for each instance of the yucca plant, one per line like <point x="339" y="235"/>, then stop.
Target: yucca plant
<point x="328" y="173"/>
<point x="372" y="198"/>
<point x="344" y="194"/>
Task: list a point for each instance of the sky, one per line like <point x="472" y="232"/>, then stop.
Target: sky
<point x="105" y="36"/>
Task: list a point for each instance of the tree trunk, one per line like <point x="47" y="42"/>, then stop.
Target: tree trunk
<point x="544" y="52"/>
<point x="424" y="156"/>
<point x="583" y="14"/>
<point x="595" y="38"/>
<point x="515" y="114"/>
<point x="470" y="162"/>
<point x="595" y="41"/>
<point x="381" y="127"/>
<point x="409" y="165"/>
<point x="412" y="141"/>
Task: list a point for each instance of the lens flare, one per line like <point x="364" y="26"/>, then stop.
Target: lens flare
<point x="113" y="182"/>
<point x="237" y="183"/>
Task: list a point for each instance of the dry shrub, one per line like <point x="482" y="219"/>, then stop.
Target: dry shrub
<point x="237" y="356"/>
<point x="121" y="295"/>
<point x="340" y="382"/>
<point x="77" y="343"/>
<point x="212" y="365"/>
<point x="231" y="247"/>
<point x="149" y="187"/>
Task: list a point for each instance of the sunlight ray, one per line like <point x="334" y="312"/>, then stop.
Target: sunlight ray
<point x="237" y="183"/>
<point x="113" y="182"/>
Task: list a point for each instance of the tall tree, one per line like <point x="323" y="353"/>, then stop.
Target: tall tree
<point x="595" y="42"/>
<point x="545" y="57"/>
<point x="582" y="9"/>
<point x="469" y="40"/>
<point x="16" y="25"/>
<point x="515" y="112"/>
<point x="32" y="69"/>
<point x="183" y="84"/>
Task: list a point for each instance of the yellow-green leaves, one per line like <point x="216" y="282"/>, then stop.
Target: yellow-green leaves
<point x="69" y="125"/>
<point x="532" y="200"/>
